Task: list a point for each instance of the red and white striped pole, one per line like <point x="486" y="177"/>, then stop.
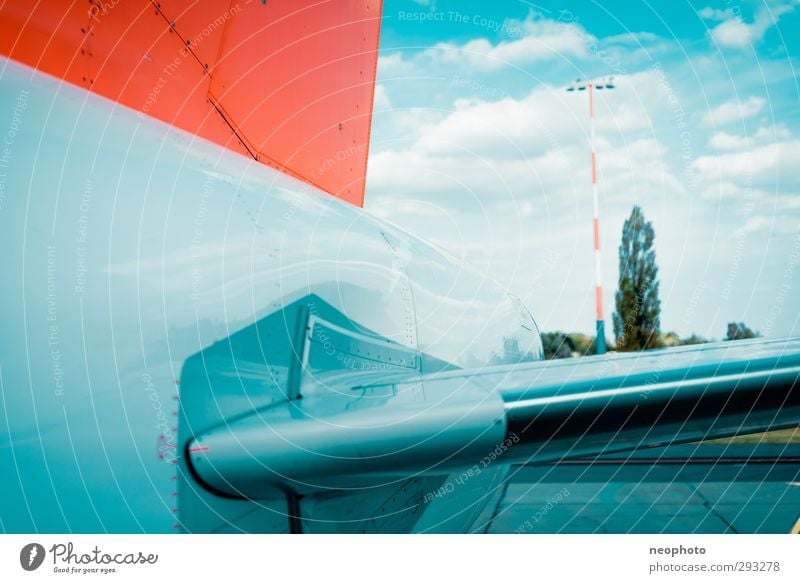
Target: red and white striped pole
<point x="600" y="326"/>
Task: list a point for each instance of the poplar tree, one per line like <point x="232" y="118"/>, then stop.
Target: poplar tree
<point x="638" y="309"/>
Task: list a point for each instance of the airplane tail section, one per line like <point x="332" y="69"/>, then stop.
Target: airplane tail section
<point x="289" y="84"/>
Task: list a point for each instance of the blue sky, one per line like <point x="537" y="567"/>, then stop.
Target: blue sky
<point x="477" y="147"/>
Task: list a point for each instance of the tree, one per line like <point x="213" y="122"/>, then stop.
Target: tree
<point x="567" y="344"/>
<point x="636" y="321"/>
<point x="584" y="345"/>
<point x="693" y="339"/>
<point x="672" y="339"/>
<point x="738" y="331"/>
<point x="557" y="345"/>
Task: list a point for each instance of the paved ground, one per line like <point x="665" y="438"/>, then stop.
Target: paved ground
<point x="680" y="489"/>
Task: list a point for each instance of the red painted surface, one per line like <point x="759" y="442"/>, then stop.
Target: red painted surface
<point x="599" y="302"/>
<point x="596" y="234"/>
<point x="288" y="83"/>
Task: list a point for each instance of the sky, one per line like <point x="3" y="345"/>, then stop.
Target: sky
<point x="477" y="147"/>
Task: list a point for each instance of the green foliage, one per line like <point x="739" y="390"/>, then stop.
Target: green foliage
<point x="570" y="344"/>
<point x="584" y="345"/>
<point x="693" y="339"/>
<point x="567" y="345"/>
<point x="672" y="339"/>
<point x="557" y="345"/>
<point x="738" y="331"/>
<point x="636" y="321"/>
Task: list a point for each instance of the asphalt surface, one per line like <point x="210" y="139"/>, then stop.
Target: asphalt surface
<point x="678" y="490"/>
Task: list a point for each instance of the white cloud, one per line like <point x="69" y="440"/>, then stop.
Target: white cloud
<point x="771" y="133"/>
<point x="539" y="39"/>
<point x="725" y="141"/>
<point x="546" y="119"/>
<point x="715" y="14"/>
<point x="733" y="32"/>
<point x="770" y="225"/>
<point x="394" y="65"/>
<point x="631" y="38"/>
<point x="734" y="110"/>
<point x="755" y="162"/>
<point x="756" y="173"/>
<point x="381" y="100"/>
<point x="727" y="190"/>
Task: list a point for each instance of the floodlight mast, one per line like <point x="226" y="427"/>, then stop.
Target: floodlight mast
<point x="600" y="340"/>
